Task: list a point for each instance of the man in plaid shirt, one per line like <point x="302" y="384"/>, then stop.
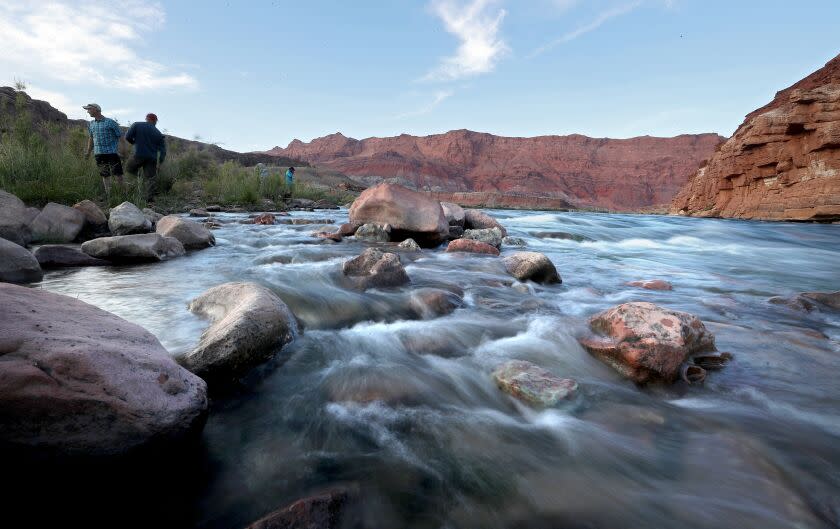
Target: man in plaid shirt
<point x="104" y="141"/>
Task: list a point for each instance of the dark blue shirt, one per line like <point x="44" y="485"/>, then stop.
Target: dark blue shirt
<point x="147" y="141"/>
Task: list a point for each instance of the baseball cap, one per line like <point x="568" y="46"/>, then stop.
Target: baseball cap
<point x="92" y="105"/>
<point x="151" y="116"/>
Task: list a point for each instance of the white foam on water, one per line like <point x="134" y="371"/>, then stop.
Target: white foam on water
<point x="531" y="219"/>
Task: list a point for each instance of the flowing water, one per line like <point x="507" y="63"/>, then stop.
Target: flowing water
<point x="405" y="408"/>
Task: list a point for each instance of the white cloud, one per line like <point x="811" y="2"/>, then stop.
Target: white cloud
<point x="95" y="41"/>
<point x="597" y="22"/>
<point x="477" y="29"/>
<point x="440" y="96"/>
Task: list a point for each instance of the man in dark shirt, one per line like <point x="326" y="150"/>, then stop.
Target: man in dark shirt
<point x="149" y="151"/>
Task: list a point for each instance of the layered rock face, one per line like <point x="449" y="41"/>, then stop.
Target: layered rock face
<point x="576" y="170"/>
<point x="783" y="162"/>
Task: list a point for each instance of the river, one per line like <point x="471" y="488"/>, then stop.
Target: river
<point x="406" y="409"/>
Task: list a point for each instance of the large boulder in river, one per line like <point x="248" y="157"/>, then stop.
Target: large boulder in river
<point x="14" y="225"/>
<point x="57" y="223"/>
<point x="336" y="508"/>
<point x="76" y="380"/>
<point x="376" y="269"/>
<point x="410" y="214"/>
<point x="144" y="247"/>
<point x="249" y="324"/>
<point x="471" y="246"/>
<point x="532" y="266"/>
<point x="533" y="384"/>
<point x="127" y="219"/>
<point x="191" y="234"/>
<point x="491" y="236"/>
<point x="477" y="220"/>
<point x="454" y="213"/>
<point x="18" y="265"/>
<point x="60" y="256"/>
<point x="646" y="342"/>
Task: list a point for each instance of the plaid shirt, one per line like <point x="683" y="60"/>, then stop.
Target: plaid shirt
<point x="106" y="135"/>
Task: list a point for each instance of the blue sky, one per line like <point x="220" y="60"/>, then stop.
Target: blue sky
<point x="252" y="75"/>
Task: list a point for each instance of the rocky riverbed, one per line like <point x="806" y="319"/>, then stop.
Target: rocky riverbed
<point x="458" y="391"/>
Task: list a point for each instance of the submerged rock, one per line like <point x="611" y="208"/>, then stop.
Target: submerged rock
<point x="532" y="266"/>
<point x="14" y="224"/>
<point x="651" y="284"/>
<point x="127" y="219"/>
<point x="76" y="380"/>
<point x="347" y="229"/>
<point x="134" y="248"/>
<point x="58" y="256"/>
<point x="471" y="246"/>
<point x="373" y="232"/>
<point x="477" y="220"/>
<point x="561" y="235"/>
<point x="646" y="342"/>
<point x="533" y="384"/>
<point x="810" y="301"/>
<point x="328" y="236"/>
<point x="191" y="234"/>
<point x="409" y="245"/>
<point x="430" y="303"/>
<point x="331" y="509"/>
<point x="249" y="325"/>
<point x="264" y="219"/>
<point x="491" y="236"/>
<point x="57" y="223"/>
<point x="410" y="214"/>
<point x="18" y="265"/>
<point x="376" y="269"/>
<point x="514" y="241"/>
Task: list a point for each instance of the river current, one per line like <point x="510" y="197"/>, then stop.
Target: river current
<point x="405" y="409"/>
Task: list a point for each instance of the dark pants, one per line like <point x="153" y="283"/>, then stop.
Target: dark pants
<point x="149" y="167"/>
<point x="109" y="164"/>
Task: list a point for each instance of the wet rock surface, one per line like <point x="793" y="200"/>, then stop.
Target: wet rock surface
<point x="17" y="264"/>
<point x="533" y="384"/>
<point x="532" y="266"/>
<point x="409" y="213"/>
<point x="145" y="247"/>
<point x="249" y="325"/>
<point x="127" y="219"/>
<point x="471" y="246"/>
<point x="646" y="342"/>
<point x="191" y="234"/>
<point x="376" y="269"/>
<point x="58" y="256"/>
<point x="77" y="380"/>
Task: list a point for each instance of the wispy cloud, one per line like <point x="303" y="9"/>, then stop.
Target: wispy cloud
<point x="597" y="22"/>
<point x="476" y="25"/>
<point x="439" y="98"/>
<point x="86" y="42"/>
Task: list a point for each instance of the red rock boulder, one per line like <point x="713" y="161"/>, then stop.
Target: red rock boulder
<point x="646" y="342"/>
<point x="651" y="284"/>
<point x="409" y="213"/>
<point x="471" y="246"/>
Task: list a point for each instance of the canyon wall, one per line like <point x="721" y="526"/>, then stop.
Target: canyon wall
<point x="783" y="162"/>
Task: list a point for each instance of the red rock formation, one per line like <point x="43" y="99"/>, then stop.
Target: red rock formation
<point x="783" y="162"/>
<point x="615" y="174"/>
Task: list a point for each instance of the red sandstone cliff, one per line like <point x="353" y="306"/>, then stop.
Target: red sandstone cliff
<point x="783" y="162"/>
<point x="616" y="174"/>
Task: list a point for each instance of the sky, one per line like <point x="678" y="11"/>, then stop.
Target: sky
<point x="249" y="75"/>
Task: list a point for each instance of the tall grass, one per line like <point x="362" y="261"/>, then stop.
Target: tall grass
<point x="43" y="163"/>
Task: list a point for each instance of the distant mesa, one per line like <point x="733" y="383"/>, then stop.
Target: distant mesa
<point x="543" y="171"/>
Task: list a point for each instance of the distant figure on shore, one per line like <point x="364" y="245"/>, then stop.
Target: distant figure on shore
<point x="103" y="140"/>
<point x="290" y="181"/>
<point x="149" y="151"/>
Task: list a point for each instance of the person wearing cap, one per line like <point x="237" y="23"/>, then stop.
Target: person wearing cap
<point x="149" y="151"/>
<point x="103" y="140"/>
